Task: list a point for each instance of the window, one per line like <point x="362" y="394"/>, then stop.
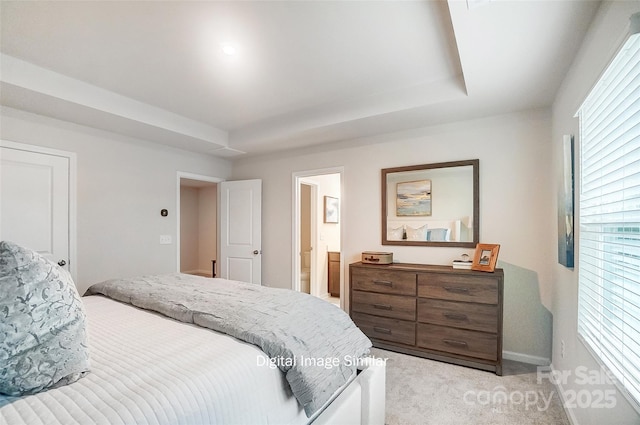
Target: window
<point x="609" y="208"/>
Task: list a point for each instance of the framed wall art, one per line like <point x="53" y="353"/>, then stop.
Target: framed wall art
<point x="331" y="209"/>
<point x="566" y="206"/>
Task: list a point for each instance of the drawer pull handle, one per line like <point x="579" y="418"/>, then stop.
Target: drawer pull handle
<point x="383" y="282"/>
<point x="455" y="343"/>
<point x="455" y="316"/>
<point x="457" y="289"/>
<point x="382" y="330"/>
<point x="382" y="306"/>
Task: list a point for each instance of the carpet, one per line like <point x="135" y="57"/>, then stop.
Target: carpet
<point x="425" y="392"/>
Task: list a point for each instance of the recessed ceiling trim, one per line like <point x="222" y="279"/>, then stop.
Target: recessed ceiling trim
<point x="40" y="80"/>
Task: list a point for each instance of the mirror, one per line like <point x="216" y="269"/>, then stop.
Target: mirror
<point x="431" y="204"/>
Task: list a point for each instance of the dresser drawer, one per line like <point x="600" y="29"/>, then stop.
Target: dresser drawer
<point x="387" y="329"/>
<point x="458" y="341"/>
<point x="388" y="282"/>
<point x="394" y="306"/>
<point x="479" y="317"/>
<point x="458" y="288"/>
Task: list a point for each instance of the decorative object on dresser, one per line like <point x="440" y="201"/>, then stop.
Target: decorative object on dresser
<point x="333" y="273"/>
<point x="485" y="257"/>
<point x="373" y="257"/>
<point x="430" y="311"/>
<point x="463" y="263"/>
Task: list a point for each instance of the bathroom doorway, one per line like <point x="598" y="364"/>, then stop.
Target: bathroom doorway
<point x="317" y="268"/>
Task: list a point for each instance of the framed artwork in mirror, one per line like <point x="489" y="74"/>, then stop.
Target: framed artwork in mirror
<point x="413" y="198"/>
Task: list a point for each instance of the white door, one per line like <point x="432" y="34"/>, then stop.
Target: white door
<point x="241" y="230"/>
<point x="34" y="202"/>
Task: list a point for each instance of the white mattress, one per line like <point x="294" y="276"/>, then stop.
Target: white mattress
<point x="148" y="369"/>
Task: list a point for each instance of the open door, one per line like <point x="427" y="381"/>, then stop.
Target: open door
<point x="240" y="230"/>
<point x="35" y="199"/>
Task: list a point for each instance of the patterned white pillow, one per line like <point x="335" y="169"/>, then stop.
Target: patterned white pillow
<point x="395" y="234"/>
<point x="43" y="338"/>
<point x="419" y="234"/>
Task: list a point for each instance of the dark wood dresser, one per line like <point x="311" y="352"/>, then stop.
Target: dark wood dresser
<point x="436" y="312"/>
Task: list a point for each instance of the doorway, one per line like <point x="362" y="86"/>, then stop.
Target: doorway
<point x="40" y="181"/>
<point x="223" y="238"/>
<point x="308" y="191"/>
<point x="317" y="241"/>
<point x="198" y="225"/>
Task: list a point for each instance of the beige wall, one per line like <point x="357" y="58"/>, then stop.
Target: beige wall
<point x="515" y="207"/>
<point x="198" y="228"/>
<point x="189" y="226"/>
<point x="605" y="36"/>
<point x="123" y="184"/>
<point x="207" y="226"/>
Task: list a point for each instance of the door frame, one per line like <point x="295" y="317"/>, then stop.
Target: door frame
<point x="73" y="167"/>
<point x="190" y="176"/>
<point x="313" y="258"/>
<point x="297" y="178"/>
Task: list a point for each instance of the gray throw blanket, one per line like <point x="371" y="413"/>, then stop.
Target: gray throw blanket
<point x="312" y="341"/>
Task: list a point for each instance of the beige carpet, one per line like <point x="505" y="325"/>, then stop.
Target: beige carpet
<point x="426" y="392"/>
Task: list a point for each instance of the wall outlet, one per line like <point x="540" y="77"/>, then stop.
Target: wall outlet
<point x="165" y="239"/>
<point x="562" y="350"/>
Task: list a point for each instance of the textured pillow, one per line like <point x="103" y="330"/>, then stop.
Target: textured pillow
<point x="439" y="234"/>
<point x="43" y="340"/>
<point x="419" y="234"/>
<point x="395" y="234"/>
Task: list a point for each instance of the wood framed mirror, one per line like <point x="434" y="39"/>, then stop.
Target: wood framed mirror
<point x="432" y="204"/>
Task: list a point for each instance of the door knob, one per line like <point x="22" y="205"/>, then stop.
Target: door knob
<point x="256" y="252"/>
<point x="62" y="263"/>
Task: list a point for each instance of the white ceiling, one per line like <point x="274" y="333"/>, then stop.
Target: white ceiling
<point x="306" y="72"/>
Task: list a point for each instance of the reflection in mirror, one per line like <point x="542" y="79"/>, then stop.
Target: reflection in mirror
<point x="431" y="204"/>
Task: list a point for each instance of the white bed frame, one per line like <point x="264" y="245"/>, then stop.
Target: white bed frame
<point x="361" y="402"/>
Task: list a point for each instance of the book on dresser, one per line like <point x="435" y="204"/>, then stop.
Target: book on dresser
<point x="436" y="312"/>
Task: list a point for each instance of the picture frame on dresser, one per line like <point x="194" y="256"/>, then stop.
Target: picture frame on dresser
<point x="485" y="257"/>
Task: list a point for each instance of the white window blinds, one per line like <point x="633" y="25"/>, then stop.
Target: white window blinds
<point x="609" y="208"/>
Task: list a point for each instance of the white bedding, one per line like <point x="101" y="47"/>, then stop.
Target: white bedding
<point x="161" y="372"/>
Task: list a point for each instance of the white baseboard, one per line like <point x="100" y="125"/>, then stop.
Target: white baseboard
<point x="525" y="358"/>
<point x="570" y="414"/>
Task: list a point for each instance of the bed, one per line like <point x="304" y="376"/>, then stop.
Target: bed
<point x="416" y="229"/>
<point x="147" y="368"/>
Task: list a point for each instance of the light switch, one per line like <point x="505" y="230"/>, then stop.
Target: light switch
<point x="165" y="239"/>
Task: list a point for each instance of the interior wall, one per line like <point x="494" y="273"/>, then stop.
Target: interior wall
<point x="515" y="208"/>
<point x="122" y="184"/>
<point x="207" y="227"/>
<point x="605" y="36"/>
<point x="188" y="229"/>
